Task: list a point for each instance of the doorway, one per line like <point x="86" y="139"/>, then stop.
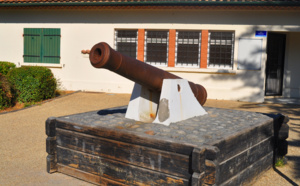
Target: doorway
<point x="275" y="64"/>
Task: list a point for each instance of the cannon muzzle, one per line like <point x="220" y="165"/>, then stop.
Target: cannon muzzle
<point x="103" y="56"/>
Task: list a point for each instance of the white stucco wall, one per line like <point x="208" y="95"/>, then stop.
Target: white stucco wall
<point x="81" y="29"/>
<point x="291" y="83"/>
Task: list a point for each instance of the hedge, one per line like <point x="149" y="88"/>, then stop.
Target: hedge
<point x="5" y="67"/>
<point x="6" y="96"/>
<point x="32" y="83"/>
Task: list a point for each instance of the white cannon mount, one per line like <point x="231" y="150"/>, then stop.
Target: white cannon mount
<point x="175" y="103"/>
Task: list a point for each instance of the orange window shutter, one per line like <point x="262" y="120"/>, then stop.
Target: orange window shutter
<point x="172" y="44"/>
<point x="141" y="43"/>
<point x="204" y="47"/>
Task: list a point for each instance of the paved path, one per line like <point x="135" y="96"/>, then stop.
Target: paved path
<point x="23" y="151"/>
<point x="22" y="145"/>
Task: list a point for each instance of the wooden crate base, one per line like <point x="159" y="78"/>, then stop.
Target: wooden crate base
<point x="221" y="148"/>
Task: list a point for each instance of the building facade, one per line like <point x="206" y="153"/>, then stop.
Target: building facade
<point x="238" y="50"/>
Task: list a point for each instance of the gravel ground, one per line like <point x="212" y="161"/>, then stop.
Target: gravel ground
<point x="23" y="151"/>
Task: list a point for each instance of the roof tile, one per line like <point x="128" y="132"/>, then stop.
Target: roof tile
<point x="267" y="4"/>
<point x="169" y="1"/>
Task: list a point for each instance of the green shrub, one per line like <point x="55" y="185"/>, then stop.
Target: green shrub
<point x="6" y="96"/>
<point x="5" y="67"/>
<point x="32" y="84"/>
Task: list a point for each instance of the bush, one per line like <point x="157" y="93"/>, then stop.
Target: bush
<point x="6" y="96"/>
<point x="5" y="67"/>
<point x="32" y="84"/>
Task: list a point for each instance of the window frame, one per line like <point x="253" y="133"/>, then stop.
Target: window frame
<point x="199" y="49"/>
<point x="220" y="66"/>
<point x="154" y="63"/>
<point x="126" y="41"/>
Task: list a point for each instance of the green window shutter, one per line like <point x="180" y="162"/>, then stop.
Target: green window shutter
<point x="32" y="45"/>
<point x="51" y="45"/>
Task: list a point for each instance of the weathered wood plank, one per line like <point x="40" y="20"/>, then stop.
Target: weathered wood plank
<point x="98" y="180"/>
<point x="51" y="163"/>
<point x="197" y="179"/>
<point x="286" y="119"/>
<point x="211" y="172"/>
<point x="114" y="170"/>
<point x="243" y="140"/>
<point x="198" y="160"/>
<point x="158" y="160"/>
<point x="51" y="145"/>
<point x="247" y="175"/>
<point x="282" y="148"/>
<point x="128" y="137"/>
<point x="283" y="132"/>
<point x="281" y="128"/>
<point x="211" y="153"/>
<point x="50" y="126"/>
<point x="241" y="161"/>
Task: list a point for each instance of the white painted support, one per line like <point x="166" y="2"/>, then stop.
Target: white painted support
<point x="143" y="104"/>
<point x="176" y="102"/>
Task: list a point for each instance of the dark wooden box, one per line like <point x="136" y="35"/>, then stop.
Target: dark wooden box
<point x="224" y="147"/>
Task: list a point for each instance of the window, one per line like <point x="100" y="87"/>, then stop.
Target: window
<point x="42" y="45"/>
<point x="156" y="47"/>
<point x="126" y="42"/>
<point x="187" y="52"/>
<point x="220" y="46"/>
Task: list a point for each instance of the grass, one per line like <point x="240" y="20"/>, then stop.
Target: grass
<point x="28" y="104"/>
<point x="280" y="162"/>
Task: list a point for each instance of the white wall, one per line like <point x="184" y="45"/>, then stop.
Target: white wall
<point x="81" y="29"/>
<point x="291" y="82"/>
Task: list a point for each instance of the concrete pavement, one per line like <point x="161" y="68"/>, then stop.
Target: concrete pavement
<point x="22" y="145"/>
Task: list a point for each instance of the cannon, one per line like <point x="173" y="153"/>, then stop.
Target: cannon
<point x="103" y="56"/>
<point x="145" y="75"/>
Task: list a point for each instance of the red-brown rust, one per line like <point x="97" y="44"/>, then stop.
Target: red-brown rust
<point x="103" y="56"/>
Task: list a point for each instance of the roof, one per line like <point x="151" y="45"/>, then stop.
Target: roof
<point x="265" y="4"/>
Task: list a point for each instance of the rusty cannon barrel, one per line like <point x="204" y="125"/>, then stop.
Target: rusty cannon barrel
<point x="103" y="56"/>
